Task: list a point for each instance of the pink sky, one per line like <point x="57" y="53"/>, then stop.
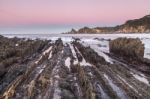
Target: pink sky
<point x="70" y="12"/>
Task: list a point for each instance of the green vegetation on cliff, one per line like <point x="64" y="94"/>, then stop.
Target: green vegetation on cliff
<point x="141" y="25"/>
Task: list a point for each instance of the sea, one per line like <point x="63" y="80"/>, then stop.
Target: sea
<point x="93" y="39"/>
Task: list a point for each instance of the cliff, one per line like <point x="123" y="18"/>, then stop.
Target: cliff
<point x="141" y="25"/>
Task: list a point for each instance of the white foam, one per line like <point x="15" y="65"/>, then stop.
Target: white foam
<point x="118" y="91"/>
<point x="74" y="54"/>
<point x="47" y="51"/>
<point x="83" y="63"/>
<point x="16" y="45"/>
<point x="104" y="95"/>
<point x="50" y="55"/>
<point x="67" y="62"/>
<point x="102" y="54"/>
<point x="141" y="78"/>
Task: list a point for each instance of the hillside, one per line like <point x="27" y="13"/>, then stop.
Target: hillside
<point x="141" y="25"/>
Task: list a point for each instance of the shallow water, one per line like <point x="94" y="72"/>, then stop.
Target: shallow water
<point x="89" y="38"/>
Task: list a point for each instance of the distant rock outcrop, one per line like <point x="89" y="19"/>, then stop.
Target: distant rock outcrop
<point x="141" y="25"/>
<point x="73" y="31"/>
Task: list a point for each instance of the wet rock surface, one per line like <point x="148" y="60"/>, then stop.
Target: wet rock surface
<point x="58" y="70"/>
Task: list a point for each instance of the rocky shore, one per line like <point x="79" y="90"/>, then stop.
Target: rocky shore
<point x="58" y="70"/>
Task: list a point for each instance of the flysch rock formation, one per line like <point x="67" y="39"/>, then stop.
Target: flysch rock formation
<point x="72" y="71"/>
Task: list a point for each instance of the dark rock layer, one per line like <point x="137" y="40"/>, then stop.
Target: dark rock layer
<point x="127" y="47"/>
